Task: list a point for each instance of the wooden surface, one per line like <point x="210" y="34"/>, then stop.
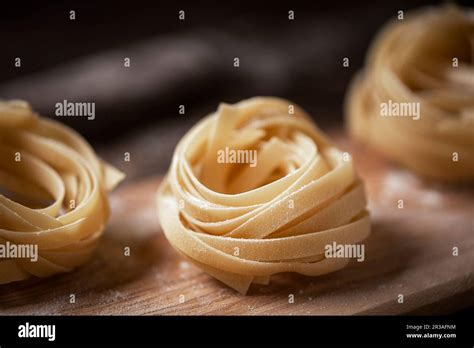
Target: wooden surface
<point x="409" y="253"/>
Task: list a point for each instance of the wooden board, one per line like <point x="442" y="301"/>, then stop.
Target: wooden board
<point x="410" y="252"/>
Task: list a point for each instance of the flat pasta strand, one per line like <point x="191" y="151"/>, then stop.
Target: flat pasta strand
<point x="242" y="223"/>
<point x="55" y="198"/>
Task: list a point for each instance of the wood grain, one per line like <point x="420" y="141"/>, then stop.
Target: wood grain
<point x="410" y="252"/>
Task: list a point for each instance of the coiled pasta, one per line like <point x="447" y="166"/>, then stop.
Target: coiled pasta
<point x="420" y="69"/>
<point x="55" y="200"/>
<point x="242" y="221"/>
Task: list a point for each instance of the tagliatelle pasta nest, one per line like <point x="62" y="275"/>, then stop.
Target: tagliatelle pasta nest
<point x="54" y="194"/>
<point x="423" y="61"/>
<point x="243" y="217"/>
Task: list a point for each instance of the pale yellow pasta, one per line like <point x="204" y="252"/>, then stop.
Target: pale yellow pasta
<point x="54" y="194"/>
<point x="242" y="223"/>
<point x="425" y="59"/>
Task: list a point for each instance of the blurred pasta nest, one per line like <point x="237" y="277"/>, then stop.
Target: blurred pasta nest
<point x="54" y="201"/>
<point x="243" y="217"/>
<point x="421" y="64"/>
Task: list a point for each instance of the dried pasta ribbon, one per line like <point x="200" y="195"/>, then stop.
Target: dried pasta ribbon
<point x="56" y="187"/>
<point x="242" y="223"/>
<point x="425" y="59"/>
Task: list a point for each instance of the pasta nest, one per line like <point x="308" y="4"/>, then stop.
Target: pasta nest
<point x="423" y="61"/>
<point x="54" y="195"/>
<point x="242" y="221"/>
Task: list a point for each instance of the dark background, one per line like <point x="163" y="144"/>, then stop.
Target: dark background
<point x="177" y="62"/>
